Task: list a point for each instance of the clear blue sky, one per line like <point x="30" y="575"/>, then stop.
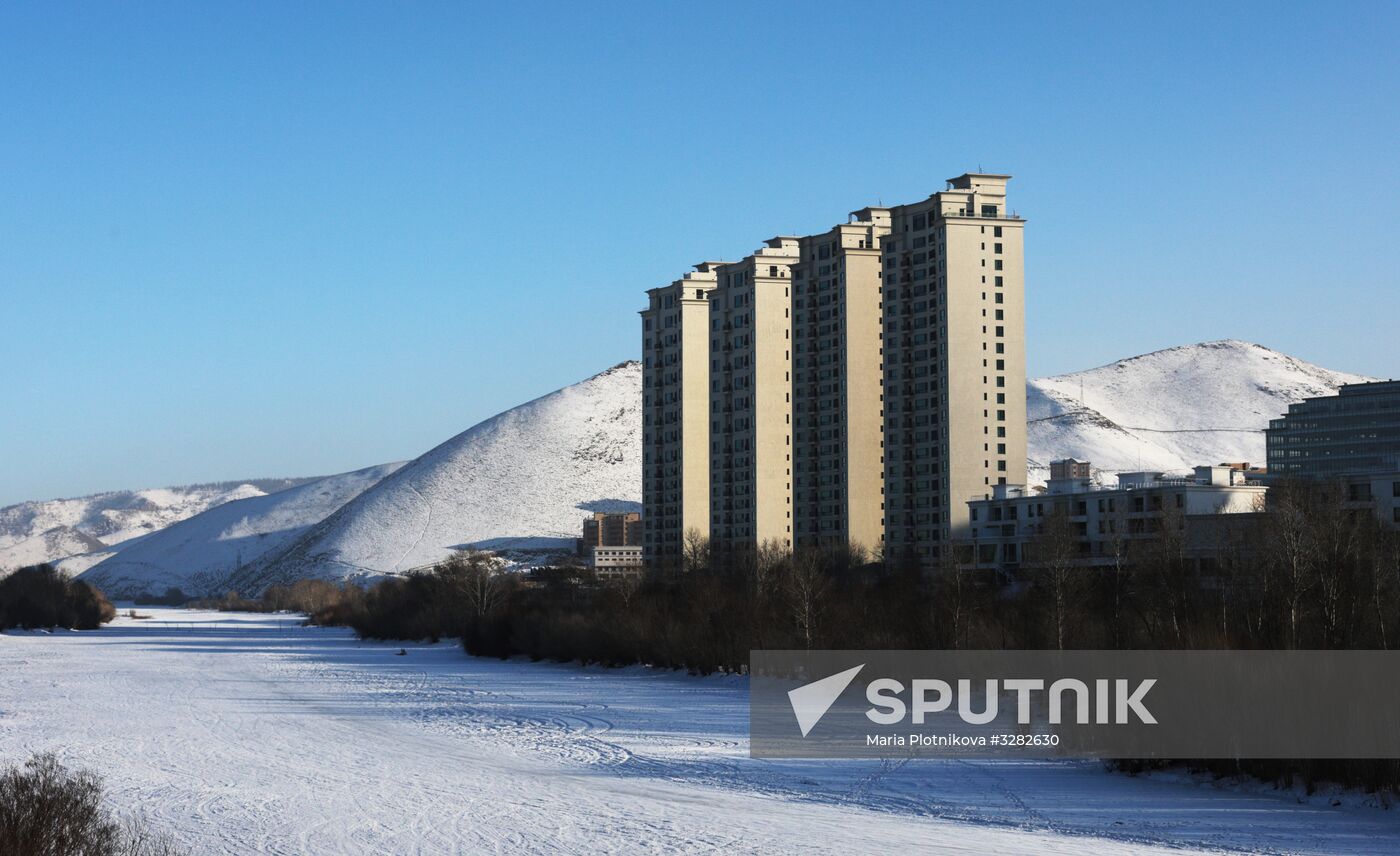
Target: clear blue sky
<point x="243" y="240"/>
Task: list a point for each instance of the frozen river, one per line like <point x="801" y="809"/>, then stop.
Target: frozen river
<point x="251" y="734"/>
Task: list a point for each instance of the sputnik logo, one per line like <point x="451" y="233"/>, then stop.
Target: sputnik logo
<point x="810" y="702"/>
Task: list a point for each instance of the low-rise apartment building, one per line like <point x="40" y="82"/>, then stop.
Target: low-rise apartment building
<point x="615" y="560"/>
<point x="1377" y="492"/>
<point x="1102" y="522"/>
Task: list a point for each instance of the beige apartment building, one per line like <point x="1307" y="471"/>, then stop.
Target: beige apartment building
<point x="611" y="529"/>
<point x="676" y="414"/>
<point x="837" y="408"/>
<point x="750" y="399"/>
<point x="862" y="384"/>
<point x="955" y="362"/>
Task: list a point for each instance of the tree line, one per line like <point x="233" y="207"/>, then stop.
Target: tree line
<point x="39" y="596"/>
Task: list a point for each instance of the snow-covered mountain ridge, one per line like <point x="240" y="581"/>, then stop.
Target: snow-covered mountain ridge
<point x="520" y="482"/>
<point x="1170" y="410"/>
<point x="197" y="555"/>
<point x="113" y="517"/>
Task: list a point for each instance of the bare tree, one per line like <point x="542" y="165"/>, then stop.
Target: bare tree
<point x="1291" y="548"/>
<point x="696" y="551"/>
<point x="1055" y="553"/>
<point x="474" y="576"/>
<point x="807" y="590"/>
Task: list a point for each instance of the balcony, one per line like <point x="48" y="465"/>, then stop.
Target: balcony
<point x="997" y="215"/>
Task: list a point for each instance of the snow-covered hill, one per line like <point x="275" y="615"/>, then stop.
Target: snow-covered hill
<point x="520" y="480"/>
<point x="44" y="547"/>
<point x="197" y="555"/>
<point x="1170" y="410"/>
<point x="114" y="517"/>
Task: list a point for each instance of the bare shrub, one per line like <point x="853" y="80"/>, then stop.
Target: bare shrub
<point x="48" y="810"/>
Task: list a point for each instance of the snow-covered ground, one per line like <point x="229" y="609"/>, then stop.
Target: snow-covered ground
<point x="251" y="734"/>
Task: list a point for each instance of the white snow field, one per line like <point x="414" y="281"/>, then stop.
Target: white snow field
<point x="244" y="734"/>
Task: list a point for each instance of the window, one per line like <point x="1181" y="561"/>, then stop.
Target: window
<point x="989" y="211"/>
<point x="997" y="265"/>
<point x="996" y="231"/>
<point x="996" y="248"/>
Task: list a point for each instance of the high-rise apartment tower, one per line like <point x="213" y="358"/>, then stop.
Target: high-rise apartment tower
<point x="955" y="362"/>
<point x="858" y="386"/>
<point x="676" y="414"/>
<point x="750" y="399"/>
<point x="837" y="410"/>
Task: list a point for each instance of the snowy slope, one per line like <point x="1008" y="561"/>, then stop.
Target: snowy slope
<point x="58" y="541"/>
<point x="197" y="555"/>
<point x="71" y="566"/>
<point x="524" y="478"/>
<point x="1170" y="410"/>
<point x="118" y="516"/>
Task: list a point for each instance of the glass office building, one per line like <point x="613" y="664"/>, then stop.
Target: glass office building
<point x="1355" y="431"/>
